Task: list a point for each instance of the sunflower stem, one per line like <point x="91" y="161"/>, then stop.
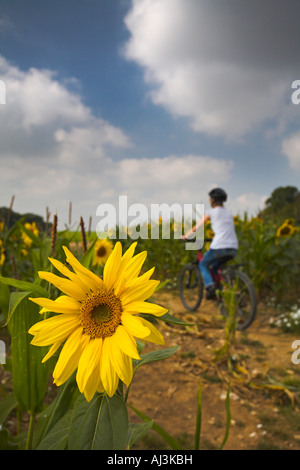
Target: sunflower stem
<point x="30" y="432"/>
<point x="126" y="394"/>
<point x="198" y="418"/>
<point x="128" y="388"/>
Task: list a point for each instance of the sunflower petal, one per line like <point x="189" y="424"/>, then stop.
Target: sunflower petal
<point x="121" y="363"/>
<point x="146" y="275"/>
<point x="69" y="356"/>
<point x="134" y="326"/>
<point x="85" y="274"/>
<point x="72" y="276"/>
<point x="132" y="283"/>
<point x="129" y="253"/>
<point x="51" y="351"/>
<point x="112" y="266"/>
<point x="100" y="387"/>
<point x="109" y="377"/>
<point x="125" y="283"/>
<point x="92" y="385"/>
<point x="88" y="362"/>
<point x="36" y="328"/>
<point x="155" y="335"/>
<point x="57" y="306"/>
<point x="145" y="307"/>
<point x="134" y="267"/>
<point x="53" y="329"/>
<point x="65" y="285"/>
<point x="122" y="276"/>
<point x="139" y="292"/>
<point x="126" y="342"/>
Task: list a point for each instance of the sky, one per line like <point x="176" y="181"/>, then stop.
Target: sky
<point x="156" y="100"/>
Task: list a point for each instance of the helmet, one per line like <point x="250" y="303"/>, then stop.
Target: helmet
<point x="218" y="194"/>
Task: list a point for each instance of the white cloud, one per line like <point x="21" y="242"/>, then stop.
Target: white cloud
<point x="87" y="143"/>
<point x="54" y="150"/>
<point x="36" y="98"/>
<point x="50" y="141"/>
<point x="220" y="65"/>
<point x="291" y="149"/>
<point x="185" y="178"/>
<point x="251" y="203"/>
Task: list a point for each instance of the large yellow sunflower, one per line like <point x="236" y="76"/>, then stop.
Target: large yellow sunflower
<point x="103" y="249"/>
<point x="98" y="320"/>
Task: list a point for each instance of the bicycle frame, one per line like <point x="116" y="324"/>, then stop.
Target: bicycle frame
<point x="191" y="283"/>
<point x="218" y="278"/>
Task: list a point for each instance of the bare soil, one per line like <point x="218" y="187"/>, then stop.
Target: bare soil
<point x="264" y="383"/>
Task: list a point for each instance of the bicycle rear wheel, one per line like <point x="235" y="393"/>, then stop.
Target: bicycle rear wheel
<point x="246" y="299"/>
<point x="190" y="287"/>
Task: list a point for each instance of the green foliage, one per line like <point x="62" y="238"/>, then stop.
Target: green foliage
<point x="271" y="259"/>
<point x="101" y="424"/>
<point x="228" y="417"/>
<point x="283" y="203"/>
<point x="12" y="217"/>
<point x="171" y="441"/>
<point x="69" y="421"/>
<point x="30" y="376"/>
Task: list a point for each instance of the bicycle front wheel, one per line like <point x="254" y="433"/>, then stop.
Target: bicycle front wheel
<point x="190" y="287"/>
<point x="245" y="298"/>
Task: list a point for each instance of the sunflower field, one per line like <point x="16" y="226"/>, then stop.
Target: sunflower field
<point x="80" y="310"/>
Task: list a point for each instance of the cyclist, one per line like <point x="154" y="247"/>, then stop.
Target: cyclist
<point x="224" y="244"/>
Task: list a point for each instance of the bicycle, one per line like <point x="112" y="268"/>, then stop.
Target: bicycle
<point x="191" y="287"/>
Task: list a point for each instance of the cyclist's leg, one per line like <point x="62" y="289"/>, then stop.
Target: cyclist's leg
<point x="209" y="269"/>
<point x="224" y="253"/>
<point x="208" y="259"/>
<point x="204" y="264"/>
<point x="215" y="267"/>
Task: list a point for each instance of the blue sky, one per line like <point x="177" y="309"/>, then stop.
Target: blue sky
<point x="159" y="100"/>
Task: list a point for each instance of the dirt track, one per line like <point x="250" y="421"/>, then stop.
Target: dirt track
<point x="261" y="418"/>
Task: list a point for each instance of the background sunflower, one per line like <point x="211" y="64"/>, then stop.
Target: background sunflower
<point x="103" y="249"/>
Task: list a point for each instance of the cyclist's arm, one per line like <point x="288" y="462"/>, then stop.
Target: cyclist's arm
<point x="196" y="227"/>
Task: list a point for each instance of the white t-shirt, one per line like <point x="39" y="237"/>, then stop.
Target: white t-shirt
<point x="223" y="226"/>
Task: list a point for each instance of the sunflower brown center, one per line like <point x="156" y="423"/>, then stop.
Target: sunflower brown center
<point x="101" y="251"/>
<point x="100" y="314"/>
<point x="286" y="230"/>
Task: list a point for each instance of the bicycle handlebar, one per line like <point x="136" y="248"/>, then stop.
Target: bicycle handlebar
<point x="189" y="240"/>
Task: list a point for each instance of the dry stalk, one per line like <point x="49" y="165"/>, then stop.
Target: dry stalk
<point x="83" y="236"/>
<point x="54" y="235"/>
